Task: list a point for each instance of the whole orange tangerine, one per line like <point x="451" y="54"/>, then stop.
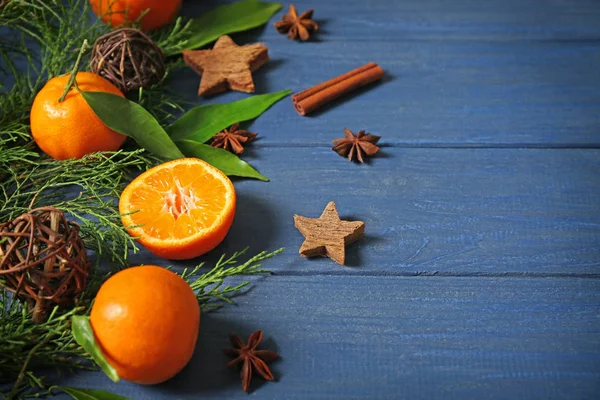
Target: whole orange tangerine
<point x="180" y="209"/>
<point x="146" y="321"/>
<point x="124" y="12"/>
<point x="70" y="129"/>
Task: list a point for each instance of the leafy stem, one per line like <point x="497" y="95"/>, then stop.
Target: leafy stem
<point x="209" y="286"/>
<point x="73" y="78"/>
<point x="26" y="345"/>
<point x="23" y="371"/>
<point x="86" y="189"/>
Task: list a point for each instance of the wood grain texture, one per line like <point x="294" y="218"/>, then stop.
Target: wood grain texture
<point x="401" y="338"/>
<point x="507" y="20"/>
<point x="428" y="211"/>
<point x="327" y="235"/>
<point x="463" y="73"/>
<point x="479" y="274"/>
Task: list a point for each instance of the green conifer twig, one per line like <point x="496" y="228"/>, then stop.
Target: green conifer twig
<point x="27" y="346"/>
<point x="73" y="77"/>
<point x="85" y="189"/>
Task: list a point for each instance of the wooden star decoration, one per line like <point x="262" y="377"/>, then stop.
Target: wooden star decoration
<point x="226" y="66"/>
<point x="328" y="235"/>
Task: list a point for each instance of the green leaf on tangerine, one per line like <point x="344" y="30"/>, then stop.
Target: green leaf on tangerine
<point x="227" y="162"/>
<point x="203" y="122"/>
<point x="133" y="120"/>
<point x="84" y="336"/>
<point x="225" y="19"/>
<point x="91" y="394"/>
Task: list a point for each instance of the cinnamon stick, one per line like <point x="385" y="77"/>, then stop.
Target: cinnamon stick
<point x="315" y="97"/>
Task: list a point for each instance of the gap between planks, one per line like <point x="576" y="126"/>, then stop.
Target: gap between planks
<point x="432" y="145"/>
<point x="443" y="274"/>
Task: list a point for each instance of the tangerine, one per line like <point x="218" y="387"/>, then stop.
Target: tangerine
<point x="70" y="129"/>
<point x="180" y="209"/>
<point x="146" y="320"/>
<point x="123" y="12"/>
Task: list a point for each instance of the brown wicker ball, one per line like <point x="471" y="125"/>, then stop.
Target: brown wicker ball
<point x="128" y="58"/>
<point x="43" y="260"/>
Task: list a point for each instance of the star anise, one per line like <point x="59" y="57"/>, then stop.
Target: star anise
<point x="233" y="139"/>
<point x="356" y="147"/>
<point x="297" y="26"/>
<point x="250" y="358"/>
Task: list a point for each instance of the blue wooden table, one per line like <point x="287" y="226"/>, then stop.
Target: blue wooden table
<point x="479" y="276"/>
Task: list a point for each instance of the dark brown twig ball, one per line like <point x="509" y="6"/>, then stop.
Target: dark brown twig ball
<point x="43" y="260"/>
<point x="128" y="58"/>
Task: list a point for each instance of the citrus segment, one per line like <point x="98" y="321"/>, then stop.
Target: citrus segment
<point x="180" y="209"/>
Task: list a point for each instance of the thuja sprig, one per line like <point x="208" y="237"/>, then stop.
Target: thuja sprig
<point x="26" y="346"/>
<point x="20" y="338"/>
<point x="29" y="179"/>
<point x="160" y="100"/>
<point x="209" y="287"/>
<point x="85" y="189"/>
<point x="58" y="27"/>
<point x="172" y="38"/>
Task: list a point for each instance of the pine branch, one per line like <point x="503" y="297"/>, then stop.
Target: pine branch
<point x="209" y="286"/>
<point x="57" y="28"/>
<point x="85" y="189"/>
<point x="36" y="180"/>
<point x="159" y="100"/>
<point x="20" y="338"/>
<point x="26" y="346"/>
<point x="173" y="37"/>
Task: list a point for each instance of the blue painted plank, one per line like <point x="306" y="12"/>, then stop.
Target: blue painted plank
<point x="472" y="84"/>
<point x="448" y="211"/>
<point x="400" y="338"/>
<point x="397" y="20"/>
<point x="466" y="73"/>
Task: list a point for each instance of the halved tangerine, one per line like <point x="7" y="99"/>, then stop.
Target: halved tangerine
<point x="180" y="209"/>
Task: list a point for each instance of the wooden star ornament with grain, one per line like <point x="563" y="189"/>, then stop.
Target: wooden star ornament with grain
<point x="328" y="235"/>
<point x="226" y="66"/>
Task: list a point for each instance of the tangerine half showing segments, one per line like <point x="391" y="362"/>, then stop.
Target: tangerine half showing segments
<point x="180" y="209"/>
<point x="124" y="12"/>
<point x="70" y="129"/>
<point x="146" y="321"/>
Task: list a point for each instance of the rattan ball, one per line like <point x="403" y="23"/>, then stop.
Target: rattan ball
<point x="43" y="260"/>
<point x="128" y="58"/>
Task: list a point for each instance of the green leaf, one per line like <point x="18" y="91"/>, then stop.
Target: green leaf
<point x="131" y="119"/>
<point x="84" y="336"/>
<point x="225" y="19"/>
<point x="91" y="394"/>
<point x="202" y="122"/>
<point x="227" y="162"/>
